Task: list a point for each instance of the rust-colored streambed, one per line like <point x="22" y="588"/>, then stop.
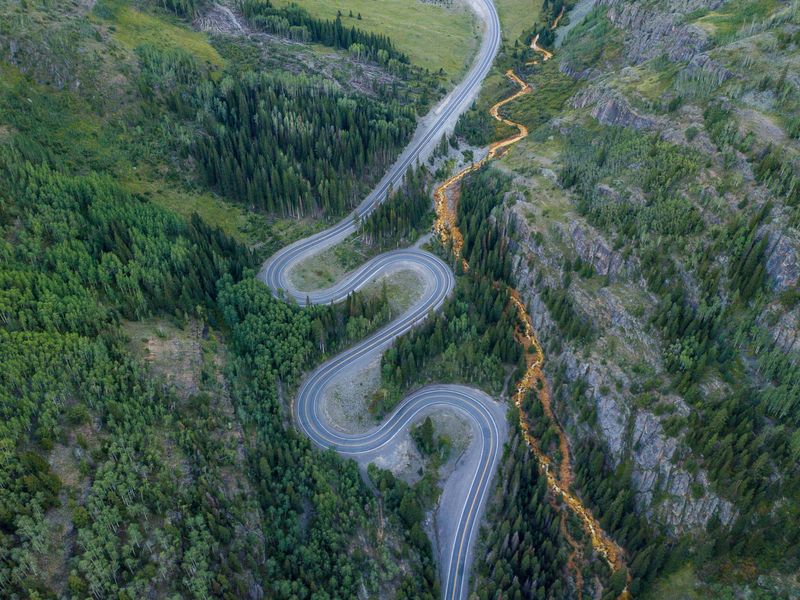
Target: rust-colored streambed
<point x="559" y="479"/>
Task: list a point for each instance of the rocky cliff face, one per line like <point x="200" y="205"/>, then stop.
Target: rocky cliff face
<point x="594" y="250"/>
<point x="654" y="28"/>
<point x="783" y="265"/>
<point x="611" y="108"/>
<point x="667" y="492"/>
<point x="786" y="330"/>
<point x="713" y="85"/>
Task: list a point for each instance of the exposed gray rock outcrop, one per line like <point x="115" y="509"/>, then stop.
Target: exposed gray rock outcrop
<point x="666" y="491"/>
<point x="654" y="473"/>
<point x="655" y="28"/>
<point x="570" y="71"/>
<point x="658" y="28"/>
<point x="785" y="332"/>
<point x="710" y="68"/>
<point x="610" y="108"/>
<point x="594" y="250"/>
<point x="783" y="266"/>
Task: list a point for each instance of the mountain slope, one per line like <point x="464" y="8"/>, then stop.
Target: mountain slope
<point x="656" y="243"/>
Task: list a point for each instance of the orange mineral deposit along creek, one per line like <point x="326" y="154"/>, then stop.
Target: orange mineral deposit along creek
<point x="559" y="480"/>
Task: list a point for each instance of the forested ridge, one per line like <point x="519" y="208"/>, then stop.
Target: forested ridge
<point x="282" y="144"/>
<point x="79" y="254"/>
<point x="525" y="554"/>
<point x="186" y="8"/>
<point x="403" y="216"/>
<point x="130" y="472"/>
<point x="312" y="502"/>
<point x="103" y="255"/>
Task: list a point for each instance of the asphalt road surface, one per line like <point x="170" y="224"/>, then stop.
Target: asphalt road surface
<point x="466" y="490"/>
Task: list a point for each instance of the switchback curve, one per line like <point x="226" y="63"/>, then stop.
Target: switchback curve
<point x="464" y="497"/>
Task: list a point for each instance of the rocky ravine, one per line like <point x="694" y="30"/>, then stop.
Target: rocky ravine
<point x="666" y="489"/>
<point x="625" y="355"/>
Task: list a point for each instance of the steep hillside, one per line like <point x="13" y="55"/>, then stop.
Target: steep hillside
<point x="655" y="212"/>
<point x="143" y="370"/>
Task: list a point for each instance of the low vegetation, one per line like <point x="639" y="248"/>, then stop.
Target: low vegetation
<point x="439" y="37"/>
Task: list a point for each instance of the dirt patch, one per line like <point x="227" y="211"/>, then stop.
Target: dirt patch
<point x="6" y="133"/>
<point x="63" y="461"/>
<point x="53" y="565"/>
<point x="404" y="461"/>
<point x="346" y="403"/>
<point x="173" y="353"/>
<point x="762" y="126"/>
<point x="449" y="424"/>
<point x="403" y="288"/>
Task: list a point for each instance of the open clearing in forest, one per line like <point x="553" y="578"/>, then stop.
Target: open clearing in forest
<point x="403" y="288"/>
<point x="132" y="28"/>
<point x="432" y="35"/>
<point x="516" y="16"/>
<point x="327" y="267"/>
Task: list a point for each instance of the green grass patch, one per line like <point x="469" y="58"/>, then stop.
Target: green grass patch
<point x="50" y="125"/>
<point x="262" y="234"/>
<point x="328" y="267"/>
<point x="593" y="41"/>
<point x="432" y="36"/>
<point x="680" y="585"/>
<point x="517" y="17"/>
<point x="723" y="24"/>
<point x="132" y="28"/>
<point x="551" y="90"/>
<point x="403" y="288"/>
<point x="652" y="80"/>
<point x="549" y="203"/>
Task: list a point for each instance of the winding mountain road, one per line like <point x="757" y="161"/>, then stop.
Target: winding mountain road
<point x="466" y="490"/>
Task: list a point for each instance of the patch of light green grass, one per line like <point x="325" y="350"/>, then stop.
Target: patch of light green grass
<point x="729" y="19"/>
<point x="652" y="80"/>
<point x="432" y="36"/>
<point x="403" y="289"/>
<point x="232" y="219"/>
<point x="680" y="585"/>
<point x="551" y="90"/>
<point x="594" y="41"/>
<point x="329" y="266"/>
<point x="51" y="125"/>
<point x="516" y="16"/>
<point x="132" y="27"/>
<point x="264" y="235"/>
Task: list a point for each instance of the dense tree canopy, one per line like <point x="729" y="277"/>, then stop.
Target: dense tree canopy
<point x="403" y="217"/>
<point x="293" y="145"/>
<point x="85" y="254"/>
